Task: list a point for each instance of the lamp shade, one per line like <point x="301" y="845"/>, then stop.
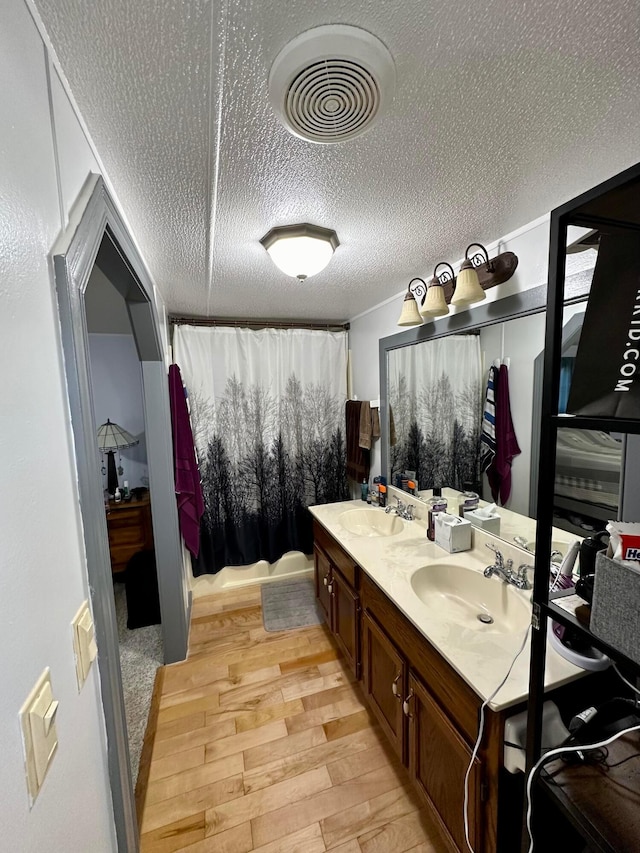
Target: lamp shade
<point x="300" y="250"/>
<point x="410" y="316"/>
<point x="114" y="437"/>
<point x="468" y="287"/>
<point x="435" y="304"/>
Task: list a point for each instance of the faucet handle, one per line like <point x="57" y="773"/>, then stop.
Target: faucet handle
<point x="497" y="552"/>
<point x="523" y="581"/>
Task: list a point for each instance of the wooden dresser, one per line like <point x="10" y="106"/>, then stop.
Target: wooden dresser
<point x="129" y="528"/>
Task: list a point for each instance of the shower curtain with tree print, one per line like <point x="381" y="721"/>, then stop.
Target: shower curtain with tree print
<point x="436" y="395"/>
<point x="267" y="410"/>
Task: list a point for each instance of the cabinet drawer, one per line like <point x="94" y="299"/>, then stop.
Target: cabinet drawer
<point x="339" y="558"/>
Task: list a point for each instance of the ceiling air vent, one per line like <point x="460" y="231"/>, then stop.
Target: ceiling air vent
<point x="330" y="83"/>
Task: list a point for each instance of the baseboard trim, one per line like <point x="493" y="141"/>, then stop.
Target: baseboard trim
<point x="144" y="768"/>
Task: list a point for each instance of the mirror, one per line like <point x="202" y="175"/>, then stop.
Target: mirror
<point x="442" y="367"/>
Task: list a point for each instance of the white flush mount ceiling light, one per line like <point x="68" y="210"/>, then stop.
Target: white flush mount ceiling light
<point x="330" y="84"/>
<point x="300" y="250"/>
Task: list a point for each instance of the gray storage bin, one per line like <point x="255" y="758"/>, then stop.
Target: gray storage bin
<point x="615" y="611"/>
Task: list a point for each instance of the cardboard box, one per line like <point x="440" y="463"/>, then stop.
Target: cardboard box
<point x="490" y="523"/>
<point x="615" y="610"/>
<point x="452" y="532"/>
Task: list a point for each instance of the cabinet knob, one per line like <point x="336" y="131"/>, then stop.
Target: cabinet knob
<point x="326" y="579"/>
<point x="394" y="686"/>
<point x="330" y="588"/>
<point x="405" y="704"/>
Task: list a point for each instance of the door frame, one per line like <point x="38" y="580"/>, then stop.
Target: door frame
<point x="93" y="217"/>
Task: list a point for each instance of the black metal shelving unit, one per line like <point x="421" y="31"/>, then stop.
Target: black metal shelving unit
<point x="611" y="207"/>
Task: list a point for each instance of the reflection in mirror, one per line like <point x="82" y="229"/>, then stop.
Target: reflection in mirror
<point x="512" y="329"/>
<point x="435" y="407"/>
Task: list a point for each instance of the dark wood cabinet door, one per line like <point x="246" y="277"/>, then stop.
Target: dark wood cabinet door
<point x="346" y="620"/>
<point x="385" y="681"/>
<point x="323" y="583"/>
<point x="438" y="762"/>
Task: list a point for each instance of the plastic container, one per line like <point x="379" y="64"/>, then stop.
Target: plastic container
<point x="469" y="502"/>
<point x="364" y="490"/>
<point x="435" y="505"/>
<point x="382" y="495"/>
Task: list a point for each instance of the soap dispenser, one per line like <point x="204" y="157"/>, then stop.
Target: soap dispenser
<point x="435" y="504"/>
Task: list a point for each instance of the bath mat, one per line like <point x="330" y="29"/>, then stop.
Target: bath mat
<point x="289" y="604"/>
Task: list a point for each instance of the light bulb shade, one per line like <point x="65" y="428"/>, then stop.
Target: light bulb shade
<point x="435" y="304"/>
<point x="468" y="287"/>
<point x="410" y="316"/>
<point x="114" y="437"/>
<point x="300" y="250"/>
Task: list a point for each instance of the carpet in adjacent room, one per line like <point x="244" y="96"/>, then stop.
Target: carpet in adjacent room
<point x="141" y="653"/>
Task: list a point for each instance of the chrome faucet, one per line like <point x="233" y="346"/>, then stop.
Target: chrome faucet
<point x="403" y="510"/>
<point x="504" y="570"/>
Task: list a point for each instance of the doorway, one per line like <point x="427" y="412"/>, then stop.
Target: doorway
<point x="117" y="393"/>
<point x="96" y="227"/>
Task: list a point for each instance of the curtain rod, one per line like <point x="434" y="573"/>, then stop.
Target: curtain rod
<point x="258" y="324"/>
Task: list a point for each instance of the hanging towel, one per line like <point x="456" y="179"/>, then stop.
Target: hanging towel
<point x="357" y="457"/>
<point x="488" y="435"/>
<point x="364" y="439"/>
<point x="369" y="425"/>
<point x="187" y="475"/>
<point x="375" y="423"/>
<point x="499" y="471"/>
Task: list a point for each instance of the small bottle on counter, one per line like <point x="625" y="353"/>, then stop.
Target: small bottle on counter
<point x="364" y="490"/>
<point x="382" y="495"/>
<point x="435" y="505"/>
<point x="469" y="501"/>
<point x="118" y="496"/>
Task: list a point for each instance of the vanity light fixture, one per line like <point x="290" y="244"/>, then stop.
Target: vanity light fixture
<point x="435" y="303"/>
<point x="478" y="273"/>
<point x="468" y="288"/>
<point x="300" y="250"/>
<point x="410" y="316"/>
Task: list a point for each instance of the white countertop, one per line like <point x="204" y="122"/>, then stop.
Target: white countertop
<point x="482" y="655"/>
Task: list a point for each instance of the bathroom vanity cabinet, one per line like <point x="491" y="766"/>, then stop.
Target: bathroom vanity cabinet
<point x="428" y="713"/>
<point x="336" y="582"/>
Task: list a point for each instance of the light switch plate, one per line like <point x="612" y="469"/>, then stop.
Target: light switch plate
<point x="37" y="719"/>
<point x="84" y="642"/>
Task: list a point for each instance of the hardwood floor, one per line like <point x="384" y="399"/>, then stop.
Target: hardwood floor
<point x="263" y="743"/>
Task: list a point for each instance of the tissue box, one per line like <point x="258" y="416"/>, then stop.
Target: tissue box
<point x="615" y="611"/>
<point x="452" y="532"/>
<point x="490" y="523"/>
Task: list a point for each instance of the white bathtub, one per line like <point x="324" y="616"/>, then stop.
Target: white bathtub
<point x="291" y="564"/>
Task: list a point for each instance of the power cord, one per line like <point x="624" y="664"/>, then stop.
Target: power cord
<point x="628" y="683"/>
<point x="562" y="751"/>
<point x="479" y="739"/>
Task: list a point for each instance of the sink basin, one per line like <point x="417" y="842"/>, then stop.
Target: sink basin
<point x="370" y="522"/>
<point x="466" y="597"/>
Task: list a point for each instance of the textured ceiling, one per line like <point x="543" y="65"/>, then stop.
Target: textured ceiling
<point x="503" y="110"/>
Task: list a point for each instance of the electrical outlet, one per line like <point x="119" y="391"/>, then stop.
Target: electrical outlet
<point x="38" y="722"/>
<point x="84" y="642"/>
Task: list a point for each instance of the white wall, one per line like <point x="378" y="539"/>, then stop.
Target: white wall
<point x="44" y="161"/>
<point x="116" y="379"/>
